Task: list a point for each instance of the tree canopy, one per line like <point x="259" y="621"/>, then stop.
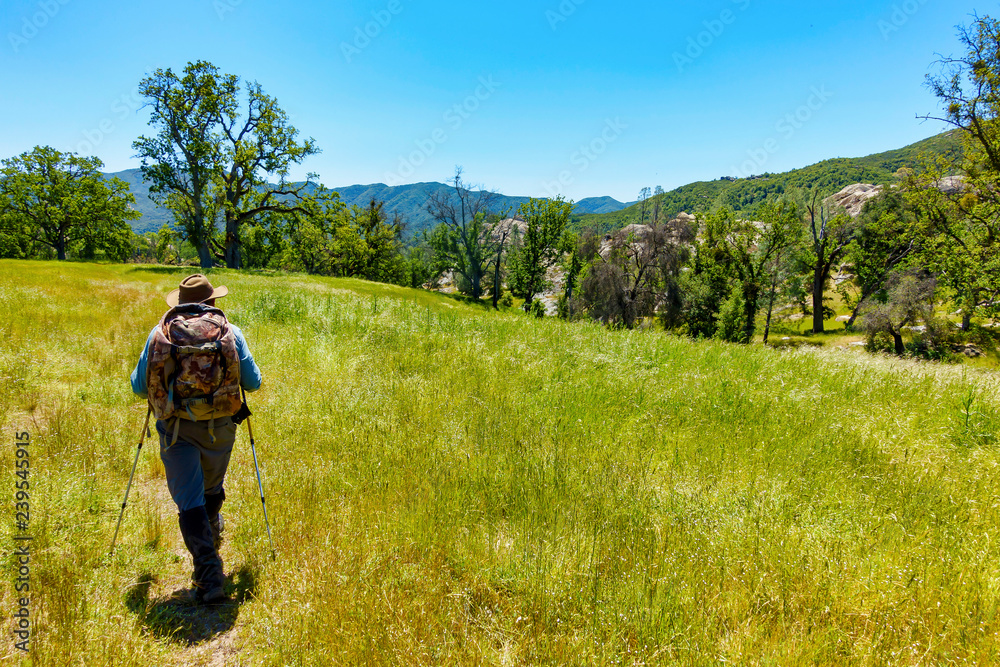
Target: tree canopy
<point x="538" y="248"/>
<point x="63" y="202"/>
<point x="463" y="240"/>
<point x="221" y="155"/>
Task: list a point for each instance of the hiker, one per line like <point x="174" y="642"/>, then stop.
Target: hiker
<point x="191" y="371"/>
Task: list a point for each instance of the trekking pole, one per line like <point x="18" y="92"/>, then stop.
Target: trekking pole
<point x="142" y="439"/>
<point x="260" y="485"/>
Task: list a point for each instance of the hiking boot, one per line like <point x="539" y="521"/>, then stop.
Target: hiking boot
<point x="215" y="596"/>
<point x="218" y="525"/>
<point x="209" y="578"/>
<point x="213" y="503"/>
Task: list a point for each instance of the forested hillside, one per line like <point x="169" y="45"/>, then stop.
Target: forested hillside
<point x="409" y="201"/>
<point x="829" y="176"/>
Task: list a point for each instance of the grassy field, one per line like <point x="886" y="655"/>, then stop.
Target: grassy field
<point x="450" y="486"/>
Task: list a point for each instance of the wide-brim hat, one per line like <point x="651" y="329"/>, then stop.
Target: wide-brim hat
<point x="195" y="289"/>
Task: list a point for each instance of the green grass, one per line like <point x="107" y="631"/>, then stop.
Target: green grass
<point x="449" y="485"/>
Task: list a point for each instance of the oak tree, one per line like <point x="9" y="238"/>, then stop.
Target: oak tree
<point x="221" y="156"/>
<point x="538" y="247"/>
<point x="62" y="201"/>
<point x="959" y="203"/>
<point x="463" y="240"/>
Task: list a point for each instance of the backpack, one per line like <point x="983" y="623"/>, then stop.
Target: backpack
<point x="193" y="367"/>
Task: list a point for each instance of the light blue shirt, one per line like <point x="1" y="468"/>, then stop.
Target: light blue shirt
<point x="249" y="373"/>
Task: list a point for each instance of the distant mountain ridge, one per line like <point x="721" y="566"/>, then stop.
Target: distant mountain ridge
<point x="829" y="176"/>
<point x="606" y="213"/>
<point x="410" y="201"/>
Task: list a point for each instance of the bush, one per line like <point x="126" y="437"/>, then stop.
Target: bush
<point x="936" y="342"/>
<point x="506" y="300"/>
<point x="538" y="308"/>
<point x="985" y="337"/>
<point x="879" y="341"/>
<point x="732" y="324"/>
<point x="463" y="284"/>
<point x="701" y="296"/>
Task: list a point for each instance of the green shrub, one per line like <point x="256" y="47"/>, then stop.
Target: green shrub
<point x="538" y="308"/>
<point x="880" y="341"/>
<point x="732" y="319"/>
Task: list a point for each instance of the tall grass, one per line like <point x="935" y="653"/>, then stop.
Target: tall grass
<point x="453" y="486"/>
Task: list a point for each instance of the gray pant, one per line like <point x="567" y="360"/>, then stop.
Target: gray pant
<point x="195" y="466"/>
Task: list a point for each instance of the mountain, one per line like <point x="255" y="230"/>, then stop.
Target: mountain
<point x="598" y="205"/>
<point x="830" y="176"/>
<point x="153" y="217"/>
<point x="605" y="213"/>
<point x="410" y="201"/>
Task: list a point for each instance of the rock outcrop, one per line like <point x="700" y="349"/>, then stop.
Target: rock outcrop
<point x="951" y="185"/>
<point x="854" y="197"/>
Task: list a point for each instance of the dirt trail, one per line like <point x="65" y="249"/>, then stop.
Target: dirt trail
<point x="202" y="635"/>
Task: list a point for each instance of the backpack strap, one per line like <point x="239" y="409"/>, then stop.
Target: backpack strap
<point x="197" y="349"/>
<point x="222" y="360"/>
<point x="177" y="430"/>
<point x="211" y="399"/>
<point x="171" y="381"/>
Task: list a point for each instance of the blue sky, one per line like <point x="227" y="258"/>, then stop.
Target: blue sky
<point x="576" y="97"/>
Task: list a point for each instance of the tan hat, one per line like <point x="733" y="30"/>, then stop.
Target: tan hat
<point x="195" y="289"/>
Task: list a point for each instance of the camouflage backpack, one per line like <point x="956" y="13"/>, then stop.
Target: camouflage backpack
<point x="193" y="369"/>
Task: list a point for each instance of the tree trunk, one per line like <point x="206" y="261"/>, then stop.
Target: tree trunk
<point x="496" y="286"/>
<point x="201" y="235"/>
<point x="751" y="293"/>
<point x="205" y="255"/>
<point x="61" y="250"/>
<point x="966" y="320"/>
<point x="854" y="316"/>
<point x="819" y="280"/>
<point x="528" y="300"/>
<point x="496" y="279"/>
<point x="865" y="295"/>
<point x="233" y="254"/>
<point x="496" y="274"/>
<point x="897" y="338"/>
<point x="770" y="310"/>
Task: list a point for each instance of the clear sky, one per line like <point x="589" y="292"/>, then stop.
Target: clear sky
<point x="532" y="97"/>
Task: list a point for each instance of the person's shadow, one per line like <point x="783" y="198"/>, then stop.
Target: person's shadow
<point x="176" y="617"/>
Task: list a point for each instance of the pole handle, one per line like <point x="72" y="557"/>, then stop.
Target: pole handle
<point x="243" y="392"/>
